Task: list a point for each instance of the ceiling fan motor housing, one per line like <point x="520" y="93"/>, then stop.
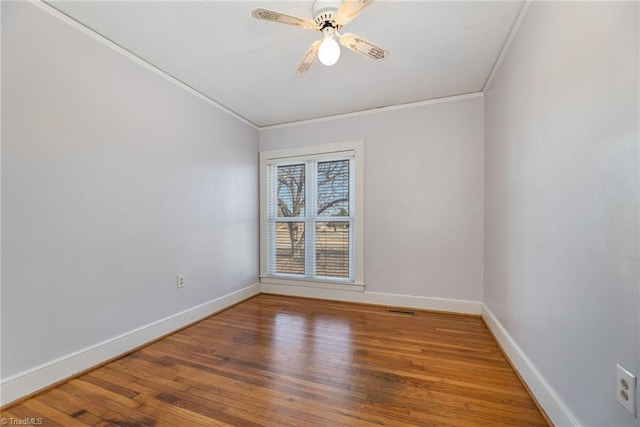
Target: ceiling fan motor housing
<point x="323" y="11"/>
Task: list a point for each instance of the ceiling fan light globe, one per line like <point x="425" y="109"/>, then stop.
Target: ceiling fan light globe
<point x="329" y="51"/>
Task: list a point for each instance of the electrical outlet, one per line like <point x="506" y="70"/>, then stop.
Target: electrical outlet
<point x="626" y="389"/>
<point x="180" y="281"/>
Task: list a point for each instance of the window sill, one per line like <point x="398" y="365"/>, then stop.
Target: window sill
<point x="314" y="283"/>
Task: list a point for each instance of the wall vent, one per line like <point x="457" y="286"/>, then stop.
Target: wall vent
<point x="400" y="311"/>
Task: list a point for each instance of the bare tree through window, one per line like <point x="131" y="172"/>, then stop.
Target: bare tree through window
<point x="332" y="236"/>
<point x="290" y="235"/>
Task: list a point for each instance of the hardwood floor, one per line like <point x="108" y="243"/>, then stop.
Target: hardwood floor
<point x="280" y="361"/>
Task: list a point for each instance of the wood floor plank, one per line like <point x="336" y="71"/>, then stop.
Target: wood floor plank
<point x="23" y="412"/>
<point x="53" y="414"/>
<point x="282" y="361"/>
<point x="72" y="405"/>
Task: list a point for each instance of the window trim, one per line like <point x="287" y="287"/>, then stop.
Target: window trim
<point x="356" y="147"/>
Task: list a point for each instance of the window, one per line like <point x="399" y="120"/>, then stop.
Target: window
<point x="311" y="215"/>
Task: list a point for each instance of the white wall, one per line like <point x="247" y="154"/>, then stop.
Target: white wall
<point x="561" y="210"/>
<point x="114" y="180"/>
<point x="423" y="193"/>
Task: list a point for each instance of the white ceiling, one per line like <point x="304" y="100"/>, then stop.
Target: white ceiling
<point x="437" y="49"/>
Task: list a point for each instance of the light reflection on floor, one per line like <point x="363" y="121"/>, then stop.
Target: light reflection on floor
<point x="318" y="345"/>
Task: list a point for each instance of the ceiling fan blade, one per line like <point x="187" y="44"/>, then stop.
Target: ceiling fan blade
<point x="309" y="57"/>
<point x="349" y="10"/>
<point x="363" y="47"/>
<point x="283" y="18"/>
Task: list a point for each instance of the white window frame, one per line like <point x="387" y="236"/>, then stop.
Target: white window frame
<point x="355" y="148"/>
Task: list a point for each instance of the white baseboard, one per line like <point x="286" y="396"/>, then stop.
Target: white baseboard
<point x="379" y="298"/>
<point x="547" y="398"/>
<point x="24" y="383"/>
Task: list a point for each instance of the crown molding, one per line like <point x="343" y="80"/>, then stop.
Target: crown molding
<point x="375" y="110"/>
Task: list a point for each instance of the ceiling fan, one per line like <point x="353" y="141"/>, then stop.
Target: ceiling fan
<point x="329" y="16"/>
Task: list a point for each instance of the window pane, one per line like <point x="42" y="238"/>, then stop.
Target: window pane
<point x="291" y="191"/>
<point x="290" y="247"/>
<point x="332" y="249"/>
<point x="333" y="188"/>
